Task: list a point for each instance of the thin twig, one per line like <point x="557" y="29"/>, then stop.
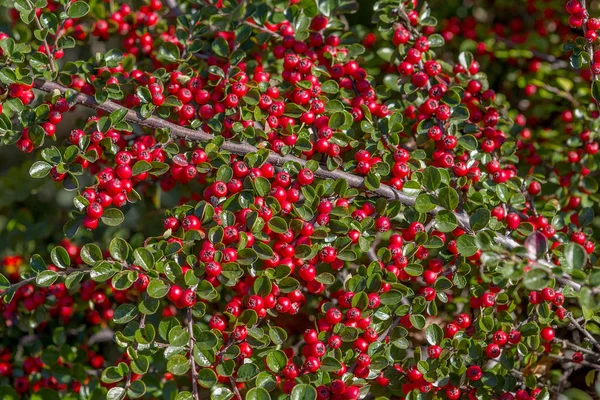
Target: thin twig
<point x="584" y="331"/>
<point x="238" y="396"/>
<point x="47" y="49"/>
<point x="563" y="358"/>
<point x="190" y="318"/>
<point x="388" y="330"/>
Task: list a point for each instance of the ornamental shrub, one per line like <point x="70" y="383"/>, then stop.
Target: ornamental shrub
<point x="305" y="199"/>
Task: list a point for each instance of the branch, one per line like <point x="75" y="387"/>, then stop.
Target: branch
<point x="190" y="319"/>
<point x="262" y="29"/>
<point x="241" y="149"/>
<point x="63" y="272"/>
<point x="238" y="396"/>
<point x="130" y="373"/>
<point x="388" y="330"/>
<point x="41" y="28"/>
<point x="584" y="331"/>
<point x="585" y="363"/>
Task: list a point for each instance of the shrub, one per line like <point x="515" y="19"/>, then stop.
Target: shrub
<point x="262" y="199"/>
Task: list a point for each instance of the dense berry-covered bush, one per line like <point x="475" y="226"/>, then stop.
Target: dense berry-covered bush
<point x="305" y="199"/>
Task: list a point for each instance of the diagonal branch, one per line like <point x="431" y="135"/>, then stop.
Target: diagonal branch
<point x="241" y="149"/>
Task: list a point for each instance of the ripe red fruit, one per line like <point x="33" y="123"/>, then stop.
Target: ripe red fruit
<point x="95" y="210"/>
<point x="474" y="373"/>
<point x="547" y="334"/>
<point x="174" y="294"/>
<point x="548" y="294"/>
<point x="534" y="188"/>
<point x="434" y="351"/>
<point x="90" y="223"/>
<point x="493" y="350"/>
<point x="319" y="23"/>
<point x="190" y="222"/>
<point x="413" y="374"/>
<point x="188" y="298"/>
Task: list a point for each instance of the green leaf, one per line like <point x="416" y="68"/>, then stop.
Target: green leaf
<point x="304" y="392"/>
<point x="141" y="167"/>
<point x="221" y="393"/>
<point x="206" y="340"/>
<point x="262" y="286"/>
<point x="119" y="249"/>
<point x="78" y="9"/>
<point x="46" y="278"/>
<point x="535" y="279"/>
<point x="4" y="282"/>
<point x="220" y="47"/>
<point x="112" y="217"/>
<point x="574" y="393"/>
<point x="246" y="372"/>
<point x="418" y="321"/>
<point x="278" y="335"/>
<point x="276" y="360"/>
<point x="264" y="251"/>
<point x="157" y="289"/>
<point x="39" y="169"/>
<point x="262" y="186"/>
<point x="143" y="258"/>
<point x="468" y="142"/>
<point x="118" y="115"/>
<point x="465" y="59"/>
<point x="116" y="393"/>
<point x="425" y="203"/>
<point x="60" y="257"/>
<point x="258" y="393"/>
<point x="178" y="365"/>
<point x="330" y="364"/>
<point x="178" y="336"/>
<point x="372" y="181"/>
<point x="434" y="334"/>
<point x="479" y="219"/>
<point x="91" y="254"/>
<point x="431" y="178"/>
<point x="330" y="87"/>
<point x="575" y="256"/>
<point x="445" y="221"/>
<point x="448" y="198"/>
<point x="466" y="245"/>
<point x="207" y="378"/>
<point x="125" y="313"/>
<point x="136" y="390"/>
